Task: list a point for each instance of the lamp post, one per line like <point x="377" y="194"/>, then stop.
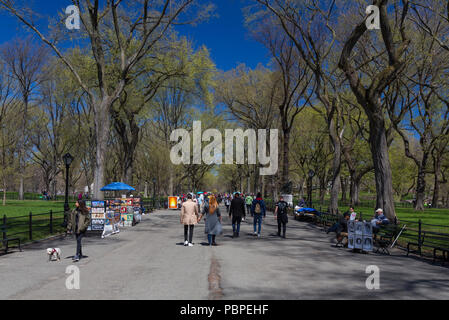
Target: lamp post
<point x="154" y="193"/>
<point x="68" y="159"/>
<point x="309" y="187"/>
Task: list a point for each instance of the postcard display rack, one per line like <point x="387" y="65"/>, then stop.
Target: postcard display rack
<point x="98" y="217"/>
<point x="123" y="211"/>
<point x="360" y="235"/>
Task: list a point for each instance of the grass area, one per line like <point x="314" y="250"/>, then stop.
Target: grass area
<point x="428" y="216"/>
<point x="16" y="208"/>
<point x="42" y="225"/>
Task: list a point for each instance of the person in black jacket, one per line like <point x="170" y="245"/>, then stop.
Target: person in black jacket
<point x="281" y="215"/>
<point x="237" y="211"/>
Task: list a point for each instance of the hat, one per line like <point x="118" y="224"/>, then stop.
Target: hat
<point x="379" y="210"/>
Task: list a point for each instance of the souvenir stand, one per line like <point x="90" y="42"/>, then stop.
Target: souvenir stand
<point x="121" y="211"/>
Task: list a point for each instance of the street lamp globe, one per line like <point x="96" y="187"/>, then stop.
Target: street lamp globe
<point x="311" y="173"/>
<point x="68" y="159"/>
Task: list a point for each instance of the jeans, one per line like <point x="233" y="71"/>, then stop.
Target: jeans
<point x="79" y="237"/>
<point x="211" y="238"/>
<point x="186" y="233"/>
<point x="257" y="222"/>
<point x="248" y="209"/>
<point x="236" y="224"/>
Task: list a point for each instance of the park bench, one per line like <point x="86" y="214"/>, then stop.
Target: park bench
<point x="6" y="240"/>
<point x="329" y="220"/>
<point x="385" y="237"/>
<point x="433" y="240"/>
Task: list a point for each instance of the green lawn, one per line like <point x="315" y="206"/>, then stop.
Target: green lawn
<point x="428" y="216"/>
<point x="16" y="208"/>
<point x="18" y="222"/>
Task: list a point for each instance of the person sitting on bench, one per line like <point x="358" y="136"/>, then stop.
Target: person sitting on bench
<point x="379" y="220"/>
<point x="341" y="228"/>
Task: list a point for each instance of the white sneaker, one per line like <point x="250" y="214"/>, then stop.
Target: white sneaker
<point x="258" y="235"/>
<point x="255" y="233"/>
<point x="186" y="243"/>
<point x="190" y="244"/>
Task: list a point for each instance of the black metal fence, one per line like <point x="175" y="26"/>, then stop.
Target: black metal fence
<point x="32" y="226"/>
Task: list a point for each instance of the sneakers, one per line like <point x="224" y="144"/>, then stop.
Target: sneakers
<point x="76" y="258"/>
<point x="190" y="244"/>
<point x="186" y="243"/>
<point x="255" y="233"/>
<point x="258" y="235"/>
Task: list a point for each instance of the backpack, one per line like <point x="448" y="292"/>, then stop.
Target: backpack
<point x="257" y="209"/>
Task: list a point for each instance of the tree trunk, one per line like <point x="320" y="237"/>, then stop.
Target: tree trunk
<point x="420" y="188"/>
<point x="145" y="193"/>
<point x="257" y="187"/>
<point x="285" y="162"/>
<point x="263" y="185"/>
<point x="355" y="191"/>
<point x="436" y="185"/>
<point x="344" y="188"/>
<point x="102" y="127"/>
<point x="170" y="181"/>
<point x="322" y="189"/>
<point x="4" y="193"/>
<point x="128" y="167"/>
<point x="336" y="167"/>
<point x="53" y="189"/>
<point x="382" y="168"/>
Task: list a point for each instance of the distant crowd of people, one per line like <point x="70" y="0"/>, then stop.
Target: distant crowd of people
<point x="206" y="206"/>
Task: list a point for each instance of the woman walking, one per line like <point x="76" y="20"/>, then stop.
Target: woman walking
<point x="79" y="221"/>
<point x="213" y="220"/>
<point x="189" y="218"/>
<point x="227" y="202"/>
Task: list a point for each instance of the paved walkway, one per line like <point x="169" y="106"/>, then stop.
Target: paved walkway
<point x="149" y="262"/>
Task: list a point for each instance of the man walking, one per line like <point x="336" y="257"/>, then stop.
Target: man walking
<point x="189" y="218"/>
<point x="200" y="202"/>
<point x="281" y="215"/>
<point x="237" y="211"/>
<point x="258" y="209"/>
<point x="249" y="202"/>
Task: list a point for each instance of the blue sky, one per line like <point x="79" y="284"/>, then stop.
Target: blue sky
<point x="225" y="36"/>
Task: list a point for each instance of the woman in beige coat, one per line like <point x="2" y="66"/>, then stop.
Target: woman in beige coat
<point x="189" y="218"/>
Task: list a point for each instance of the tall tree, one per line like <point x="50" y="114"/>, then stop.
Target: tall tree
<point x="25" y="61"/>
<point x="291" y="77"/>
<point x="395" y="42"/>
<point x="137" y="27"/>
<point x="312" y="27"/>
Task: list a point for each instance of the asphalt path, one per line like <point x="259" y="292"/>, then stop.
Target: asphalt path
<point x="149" y="261"/>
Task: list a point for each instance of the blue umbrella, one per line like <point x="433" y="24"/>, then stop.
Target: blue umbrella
<point x="117" y="186"/>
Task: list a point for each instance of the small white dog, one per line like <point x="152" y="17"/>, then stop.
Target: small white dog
<point x="54" y="254"/>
